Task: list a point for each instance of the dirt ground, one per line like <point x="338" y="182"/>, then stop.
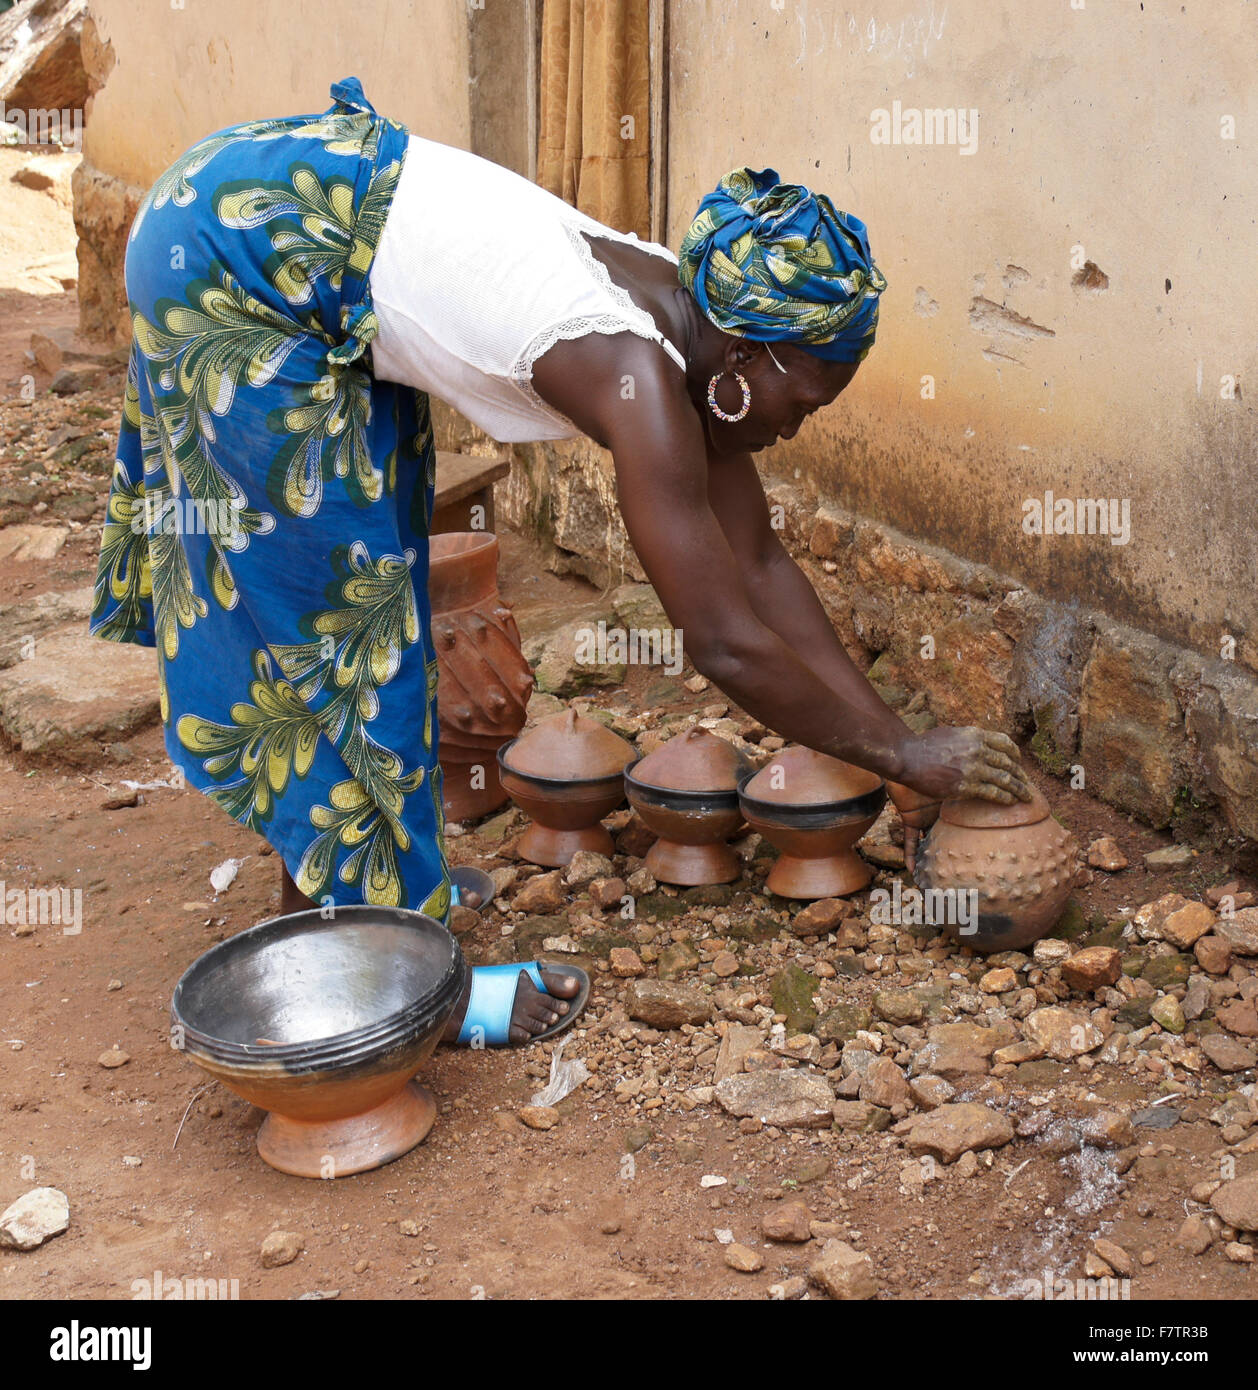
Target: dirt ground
<point x="160" y="1167"/>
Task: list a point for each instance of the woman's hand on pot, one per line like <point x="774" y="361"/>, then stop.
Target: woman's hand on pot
<point x="963" y="762"/>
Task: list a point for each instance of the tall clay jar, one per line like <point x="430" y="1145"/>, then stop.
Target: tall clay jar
<point x="484" y="682"/>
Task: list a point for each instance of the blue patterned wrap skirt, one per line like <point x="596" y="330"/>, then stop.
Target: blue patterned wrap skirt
<point x="268" y="519"/>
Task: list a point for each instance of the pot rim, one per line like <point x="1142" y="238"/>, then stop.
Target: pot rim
<point x="679" y="798"/>
<point x="812" y="815"/>
<point x="314" y="1054"/>
<point x="547" y="782"/>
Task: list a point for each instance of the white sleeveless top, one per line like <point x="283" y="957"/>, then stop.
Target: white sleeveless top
<point x="477" y="273"/>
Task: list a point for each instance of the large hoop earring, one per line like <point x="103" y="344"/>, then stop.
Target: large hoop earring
<point x="716" y="409"/>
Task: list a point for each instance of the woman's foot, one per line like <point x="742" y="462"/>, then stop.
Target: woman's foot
<point x="532" y="1013"/>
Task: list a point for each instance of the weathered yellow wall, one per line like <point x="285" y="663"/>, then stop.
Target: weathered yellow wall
<point x="182" y="73"/>
<point x="1098" y="127"/>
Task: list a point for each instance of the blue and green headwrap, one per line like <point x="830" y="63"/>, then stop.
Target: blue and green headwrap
<point x="777" y="263"/>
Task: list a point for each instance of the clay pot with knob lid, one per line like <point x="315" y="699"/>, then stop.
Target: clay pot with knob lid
<point x="687" y="793"/>
<point x="1020" y="863"/>
<point x="483" y="680"/>
<point x="813" y="808"/>
<point x="565" y="774"/>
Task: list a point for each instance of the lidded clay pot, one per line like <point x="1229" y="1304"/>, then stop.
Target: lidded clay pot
<point x="483" y="680"/>
<point x="565" y="774"/>
<point x="1019" y="861"/>
<point x="813" y="808"/>
<point x="687" y="792"/>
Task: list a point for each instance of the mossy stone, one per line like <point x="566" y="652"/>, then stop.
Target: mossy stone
<point x="792" y="990"/>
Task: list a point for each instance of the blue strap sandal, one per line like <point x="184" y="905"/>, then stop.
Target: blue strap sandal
<point x="492" y="1001"/>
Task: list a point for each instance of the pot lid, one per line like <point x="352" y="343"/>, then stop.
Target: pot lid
<point x="696" y="761"/>
<point x="569" y="746"/>
<point x="804" y="777"/>
<point x="991" y="815"/>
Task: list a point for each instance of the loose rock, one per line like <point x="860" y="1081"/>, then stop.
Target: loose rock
<point x="1093" y="968"/>
<point x="844" y="1273"/>
<point x="1239" y="1017"/>
<point x="1240" y="932"/>
<point x="930" y="1092"/>
<point x="665" y="1004"/>
<point x="1194" y="1236"/>
<point x="1214" y="955"/>
<point x="1237" y="1202"/>
<point x="1115" y="1256"/>
<point x="740" y="1039"/>
<point x="35" y="1217"/>
<point x="788" y="1099"/>
<point x="788" y="1222"/>
<point x="1229" y="1054"/>
<point x="1104" y="853"/>
<point x="281" y="1248"/>
<point x="883" y="1084"/>
<point x="1169" y="860"/>
<point x="951" y="1130"/>
<point x="626" y="963"/>
<point x="585" y="866"/>
<point x="957" y="1051"/>
<point x="608" y="892"/>
<point x="743" y="1258"/>
<point x="1168" y="1012"/>
<point x="1061" y="1033"/>
<point x="543" y="893"/>
<point x="820" y="917"/>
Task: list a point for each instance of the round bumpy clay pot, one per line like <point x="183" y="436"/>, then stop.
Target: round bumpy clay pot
<point x="687" y="793"/>
<point x="1020" y="863"/>
<point x="483" y="680"/>
<point x="565" y="774"/>
<point x="813" y="808"/>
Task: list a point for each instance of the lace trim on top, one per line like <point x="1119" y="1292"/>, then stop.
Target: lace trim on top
<point x="632" y="317"/>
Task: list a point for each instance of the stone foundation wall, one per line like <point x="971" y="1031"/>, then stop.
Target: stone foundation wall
<point x="1161" y="732"/>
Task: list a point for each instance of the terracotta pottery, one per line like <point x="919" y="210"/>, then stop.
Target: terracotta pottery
<point x="483" y="680"/>
<point x="813" y="808"/>
<point x="565" y="774"/>
<point x="1021" y="863"/>
<point x="687" y="792"/>
<point x="323" y="1021"/>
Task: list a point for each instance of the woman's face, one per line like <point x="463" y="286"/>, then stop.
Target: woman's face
<point x="781" y="400"/>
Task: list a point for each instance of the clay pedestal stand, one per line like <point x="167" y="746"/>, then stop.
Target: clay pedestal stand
<point x="484" y="682"/>
<point x="1021" y="863"/>
<point x="323" y="1022"/>
<point x="813" y="809"/>
<point x="687" y="792"/>
<point x="565" y="774"/>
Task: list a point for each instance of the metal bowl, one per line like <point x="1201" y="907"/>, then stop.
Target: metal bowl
<point x="466" y="883"/>
<point x="323" y="1019"/>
